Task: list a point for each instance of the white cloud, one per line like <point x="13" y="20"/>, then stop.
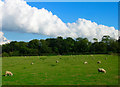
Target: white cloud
<point x="19" y="16"/>
<point x="1" y="4"/>
<point x="3" y="40"/>
<point x="85" y="28"/>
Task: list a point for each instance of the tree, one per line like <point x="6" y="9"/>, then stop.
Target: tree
<point x="95" y="39"/>
<point x="44" y="48"/>
<point x="0" y="49"/>
<point x="93" y="47"/>
<point x="82" y="45"/>
<point x="5" y="54"/>
<point x="53" y="45"/>
<point x="69" y="44"/>
<point x="106" y="39"/>
<point x="113" y="45"/>
<point x="60" y="44"/>
<point x="102" y="48"/>
<point x="118" y="50"/>
<point x="34" y="44"/>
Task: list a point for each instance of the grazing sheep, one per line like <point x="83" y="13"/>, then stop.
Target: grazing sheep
<point x="8" y="73"/>
<point x="57" y="61"/>
<point x="98" y="62"/>
<point x="32" y="63"/>
<point x="101" y="70"/>
<point x="91" y="55"/>
<point x="85" y="62"/>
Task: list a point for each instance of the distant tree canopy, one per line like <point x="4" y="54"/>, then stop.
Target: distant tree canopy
<point x="60" y="46"/>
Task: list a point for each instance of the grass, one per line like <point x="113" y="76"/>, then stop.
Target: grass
<point x="0" y="71"/>
<point x="69" y="71"/>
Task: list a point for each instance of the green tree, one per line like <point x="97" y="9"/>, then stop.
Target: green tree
<point x="5" y="54"/>
<point x="69" y="44"/>
<point x="82" y="45"/>
<point x="95" y="39"/>
<point x="60" y="45"/>
<point x="112" y="44"/>
<point x="44" y="48"/>
<point x="34" y="44"/>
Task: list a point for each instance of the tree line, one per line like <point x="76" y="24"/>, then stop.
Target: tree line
<point x="61" y="46"/>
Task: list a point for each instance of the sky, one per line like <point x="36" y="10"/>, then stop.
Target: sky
<point x="102" y="13"/>
<point x="72" y="0"/>
<point x="105" y="13"/>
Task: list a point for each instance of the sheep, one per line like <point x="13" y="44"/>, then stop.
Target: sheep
<point x="57" y="61"/>
<point x="32" y="63"/>
<point x="91" y="55"/>
<point x="85" y="62"/>
<point x="8" y="73"/>
<point x="98" y="62"/>
<point x="101" y="70"/>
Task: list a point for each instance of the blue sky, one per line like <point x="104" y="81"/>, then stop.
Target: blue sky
<point x="72" y="0"/>
<point x="105" y="13"/>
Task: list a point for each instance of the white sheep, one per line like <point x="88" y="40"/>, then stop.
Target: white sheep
<point x="32" y="63"/>
<point x="57" y="61"/>
<point x="101" y="70"/>
<point x="8" y="73"/>
<point x="85" y="62"/>
<point x="98" y="62"/>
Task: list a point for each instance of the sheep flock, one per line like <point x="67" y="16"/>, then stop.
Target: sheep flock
<point x="85" y="62"/>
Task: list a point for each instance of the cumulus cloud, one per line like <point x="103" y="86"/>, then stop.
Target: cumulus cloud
<point x="1" y="5"/>
<point x="86" y="28"/>
<point x="3" y="40"/>
<point x="19" y="16"/>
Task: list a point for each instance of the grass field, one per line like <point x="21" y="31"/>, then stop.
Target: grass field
<point x="69" y="71"/>
<point x="0" y="71"/>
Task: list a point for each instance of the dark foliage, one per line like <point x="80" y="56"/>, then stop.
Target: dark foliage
<point x="60" y="46"/>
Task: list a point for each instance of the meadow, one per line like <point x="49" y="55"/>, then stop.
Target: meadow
<point x="0" y="71"/>
<point x="69" y="71"/>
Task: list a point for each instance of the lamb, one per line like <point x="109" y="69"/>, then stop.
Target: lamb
<point x="85" y="62"/>
<point x="8" y="73"/>
<point x="57" y="61"/>
<point x="99" y="62"/>
<point x="101" y="70"/>
<point x="32" y="63"/>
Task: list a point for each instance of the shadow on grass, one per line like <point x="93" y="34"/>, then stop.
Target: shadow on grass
<point x="3" y="75"/>
<point x="53" y="65"/>
<point x="43" y="58"/>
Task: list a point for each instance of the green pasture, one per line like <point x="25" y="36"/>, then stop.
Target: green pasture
<point x="0" y="71"/>
<point x="69" y="71"/>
